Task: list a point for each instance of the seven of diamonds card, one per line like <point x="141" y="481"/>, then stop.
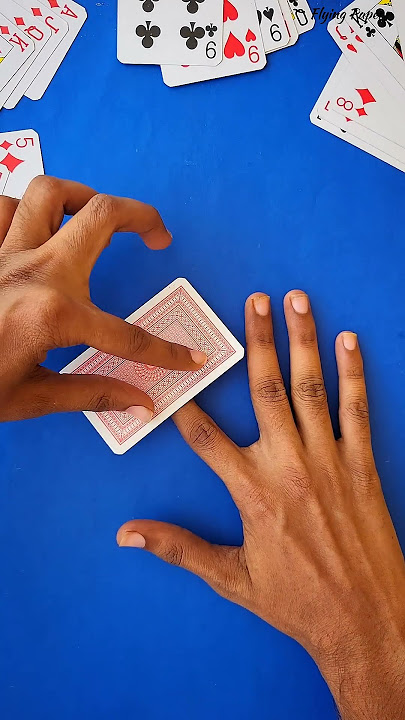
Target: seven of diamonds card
<point x="179" y="32"/>
<point x="177" y="314"/>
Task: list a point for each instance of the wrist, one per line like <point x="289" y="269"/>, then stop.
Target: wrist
<point x="365" y="671"/>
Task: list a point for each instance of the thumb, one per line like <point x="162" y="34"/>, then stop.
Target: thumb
<point x="48" y="392"/>
<point x="218" y="565"/>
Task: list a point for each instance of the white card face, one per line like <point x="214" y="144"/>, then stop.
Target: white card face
<point x="399" y="9"/>
<point x="359" y="52"/>
<point x="75" y="15"/>
<point x="21" y="157"/>
<point x="302" y="15"/>
<point x="340" y="87"/>
<point x="243" y="48"/>
<point x="20" y="50"/>
<point x="368" y="105"/>
<point x="272" y="25"/>
<point x="58" y="29"/>
<point x="33" y="29"/>
<point x="179" y="32"/>
<point x="336" y="130"/>
<point x="177" y="314"/>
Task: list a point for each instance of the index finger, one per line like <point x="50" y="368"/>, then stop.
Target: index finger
<point x="86" y="235"/>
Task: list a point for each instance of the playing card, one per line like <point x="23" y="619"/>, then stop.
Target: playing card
<point x="179" y="32"/>
<point x="368" y="105"/>
<point x="302" y="15"/>
<point x="347" y="136"/>
<point x="36" y="31"/>
<point x="272" y="25"/>
<point x="20" y="159"/>
<point x="355" y="110"/>
<point x="58" y="28"/>
<point x="348" y="38"/>
<point x="377" y="25"/>
<point x="243" y="48"/>
<point x="16" y="49"/>
<point x="177" y="314"/>
<point x="75" y="15"/>
<point x="399" y="9"/>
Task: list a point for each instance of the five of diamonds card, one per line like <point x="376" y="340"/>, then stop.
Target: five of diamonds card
<point x="177" y="314"/>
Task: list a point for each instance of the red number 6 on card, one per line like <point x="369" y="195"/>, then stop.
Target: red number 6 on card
<point x="254" y="56"/>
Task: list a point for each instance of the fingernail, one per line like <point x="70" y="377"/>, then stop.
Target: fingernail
<point x="132" y="539"/>
<point x="349" y="340"/>
<point x="200" y="358"/>
<point x="140" y="413"/>
<point x="300" y="304"/>
<point x="262" y="305"/>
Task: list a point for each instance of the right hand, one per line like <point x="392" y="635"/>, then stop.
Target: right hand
<point x="320" y="559"/>
<point x="45" y="300"/>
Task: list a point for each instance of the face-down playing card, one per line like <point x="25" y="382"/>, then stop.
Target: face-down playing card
<point x="180" y="32"/>
<point x="177" y="314"/>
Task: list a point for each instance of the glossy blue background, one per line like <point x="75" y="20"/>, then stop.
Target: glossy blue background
<point x="257" y="199"/>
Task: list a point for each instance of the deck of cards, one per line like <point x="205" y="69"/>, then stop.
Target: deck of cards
<point x="363" y="101"/>
<point x="34" y="39"/>
<point x="196" y="40"/>
<point x="177" y="314"/>
<point x="20" y="161"/>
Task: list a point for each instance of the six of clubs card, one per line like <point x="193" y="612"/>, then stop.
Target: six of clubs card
<point x="177" y="314"/>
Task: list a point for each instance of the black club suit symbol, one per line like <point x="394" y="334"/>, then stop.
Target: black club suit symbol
<point x="148" y="5"/>
<point x="384" y="18"/>
<point x="193" y="5"/>
<point x="193" y="35"/>
<point x="370" y="31"/>
<point x="148" y="33"/>
<point x="211" y="30"/>
<point x="294" y="2"/>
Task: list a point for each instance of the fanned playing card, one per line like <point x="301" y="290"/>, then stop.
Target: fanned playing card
<point x="243" y="48"/>
<point x="177" y="314"/>
<point x="180" y="32"/>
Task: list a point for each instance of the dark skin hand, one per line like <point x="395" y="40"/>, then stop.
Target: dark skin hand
<point x="320" y="559"/>
<point x="45" y="300"/>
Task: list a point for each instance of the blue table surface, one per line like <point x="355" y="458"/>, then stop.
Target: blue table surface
<point x="257" y="199"/>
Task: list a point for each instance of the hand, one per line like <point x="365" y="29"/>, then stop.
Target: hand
<point x="320" y="559"/>
<point x="45" y="301"/>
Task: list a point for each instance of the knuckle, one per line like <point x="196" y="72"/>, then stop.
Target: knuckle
<point x="263" y="339"/>
<point x="355" y="372"/>
<point x="203" y="435"/>
<point x="364" y="475"/>
<point x="139" y="342"/>
<point x="103" y="207"/>
<point x="270" y="391"/>
<point x="356" y="410"/>
<point x="172" y="554"/>
<point x="297" y="480"/>
<point x="100" y="403"/>
<point x="310" y="390"/>
<point x="43" y="186"/>
<point x="307" y="337"/>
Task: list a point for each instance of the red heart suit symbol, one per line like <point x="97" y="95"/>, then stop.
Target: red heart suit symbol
<point x="230" y="11"/>
<point x="233" y="47"/>
<point x="250" y="36"/>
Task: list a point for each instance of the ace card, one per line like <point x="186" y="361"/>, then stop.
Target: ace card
<point x="177" y="314"/>
<point x="179" y="32"/>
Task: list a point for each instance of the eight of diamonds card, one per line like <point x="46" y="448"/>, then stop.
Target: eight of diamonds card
<point x="182" y="32"/>
<point x="177" y="314"/>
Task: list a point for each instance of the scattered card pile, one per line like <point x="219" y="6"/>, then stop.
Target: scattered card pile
<point x="177" y="314"/>
<point x="20" y="161"/>
<point x="34" y="39"/>
<point x="196" y="40"/>
<point x="363" y="101"/>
